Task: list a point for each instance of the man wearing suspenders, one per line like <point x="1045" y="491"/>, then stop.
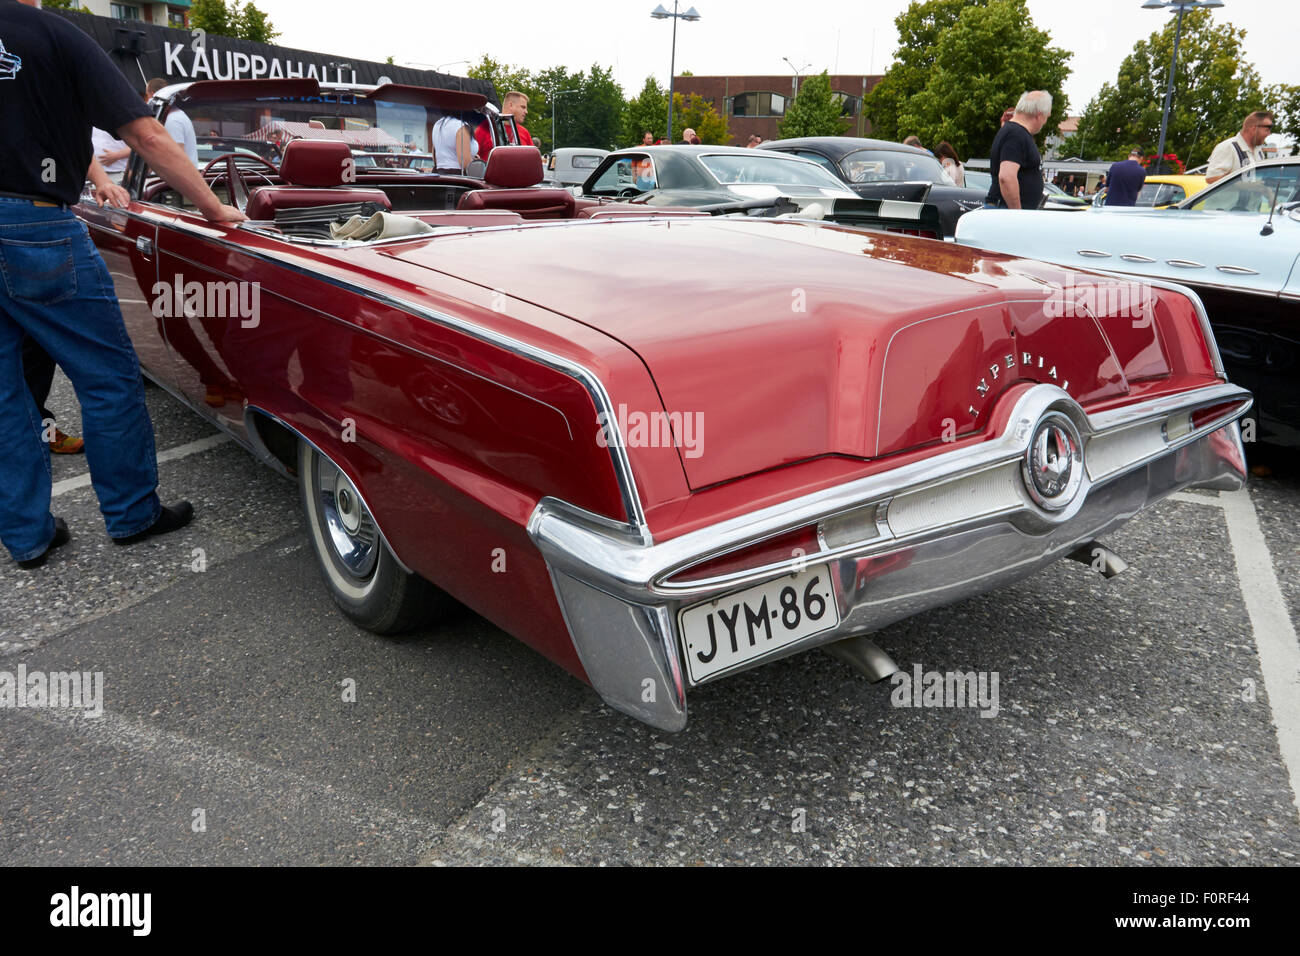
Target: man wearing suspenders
<point x="1243" y="149"/>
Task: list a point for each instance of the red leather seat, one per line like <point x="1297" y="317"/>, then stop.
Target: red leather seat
<point x="313" y="170"/>
<point x="512" y="172"/>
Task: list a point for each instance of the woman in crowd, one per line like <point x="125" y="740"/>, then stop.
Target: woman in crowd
<point x="454" y="147"/>
<point x="951" y="164"/>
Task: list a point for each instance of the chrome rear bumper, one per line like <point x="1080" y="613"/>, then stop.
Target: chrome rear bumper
<point x="938" y="531"/>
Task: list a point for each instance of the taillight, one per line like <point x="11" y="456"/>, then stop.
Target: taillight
<point x="1203" y="416"/>
<point x="783" y="547"/>
<point x="1183" y="424"/>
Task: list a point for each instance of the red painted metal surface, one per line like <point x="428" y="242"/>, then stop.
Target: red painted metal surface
<point x="807" y="353"/>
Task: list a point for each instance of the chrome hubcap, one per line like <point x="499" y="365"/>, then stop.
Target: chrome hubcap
<point x="352" y="532"/>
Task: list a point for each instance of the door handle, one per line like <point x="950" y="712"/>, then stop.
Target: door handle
<point x="144" y="246"/>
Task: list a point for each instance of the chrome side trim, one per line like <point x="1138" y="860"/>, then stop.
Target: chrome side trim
<point x="572" y="545"/>
<point x="1134" y="257"/>
<point x="1185" y="263"/>
<point x="1238" y="270"/>
<point x="1093" y="253"/>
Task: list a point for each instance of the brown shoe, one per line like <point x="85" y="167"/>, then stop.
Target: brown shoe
<point x="66" y="444"/>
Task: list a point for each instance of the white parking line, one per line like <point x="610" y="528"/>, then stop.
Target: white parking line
<point x="1270" y="622"/>
<point x="171" y="454"/>
<point x="212" y="765"/>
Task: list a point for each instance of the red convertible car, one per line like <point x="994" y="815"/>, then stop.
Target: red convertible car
<point x="659" y="447"/>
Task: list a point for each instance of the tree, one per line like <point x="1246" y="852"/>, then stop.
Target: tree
<point x="228" y="18"/>
<point x="588" y="105"/>
<point x="1214" y="89"/>
<point x="505" y="78"/>
<point x="647" y="111"/>
<point x="960" y="63"/>
<point x="814" y="111"/>
<point x="66" y="5"/>
<point x="596" y="118"/>
<point x="254" y="26"/>
<point x="697" y="113"/>
<point x="212" y="16"/>
<point x="1286" y="100"/>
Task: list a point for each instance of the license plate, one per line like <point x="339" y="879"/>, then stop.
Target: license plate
<point x="720" y="634"/>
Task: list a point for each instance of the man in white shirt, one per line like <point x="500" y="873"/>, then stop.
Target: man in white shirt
<point x="176" y="123"/>
<point x="1243" y="149"/>
<point x="111" y="152"/>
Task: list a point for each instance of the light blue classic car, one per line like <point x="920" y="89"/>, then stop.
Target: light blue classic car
<point x="1237" y="245"/>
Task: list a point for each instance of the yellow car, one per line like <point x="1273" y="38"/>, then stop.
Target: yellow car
<point x="1162" y="191"/>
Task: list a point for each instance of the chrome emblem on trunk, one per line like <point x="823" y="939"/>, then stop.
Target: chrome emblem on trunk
<point x="1054" y="462"/>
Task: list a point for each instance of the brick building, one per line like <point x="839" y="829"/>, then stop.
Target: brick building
<point x="755" y="104"/>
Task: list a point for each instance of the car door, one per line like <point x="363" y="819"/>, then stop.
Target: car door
<point x="206" y="303"/>
<point x="127" y="241"/>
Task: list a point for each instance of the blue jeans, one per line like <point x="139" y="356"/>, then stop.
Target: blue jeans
<point x="55" y="287"/>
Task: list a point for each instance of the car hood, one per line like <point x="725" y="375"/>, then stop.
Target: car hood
<point x="782" y="341"/>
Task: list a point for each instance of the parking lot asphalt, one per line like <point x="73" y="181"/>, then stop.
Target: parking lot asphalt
<point x="1147" y="719"/>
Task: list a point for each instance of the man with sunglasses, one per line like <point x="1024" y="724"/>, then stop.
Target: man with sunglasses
<point x="1243" y="149"/>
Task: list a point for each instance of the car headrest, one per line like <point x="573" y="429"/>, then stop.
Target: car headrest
<point x="315" y="162"/>
<point x="514" y="167"/>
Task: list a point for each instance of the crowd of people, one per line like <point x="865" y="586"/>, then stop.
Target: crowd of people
<point x="1018" y="176"/>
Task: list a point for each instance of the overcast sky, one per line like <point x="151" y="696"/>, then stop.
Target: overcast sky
<point x="733" y="37"/>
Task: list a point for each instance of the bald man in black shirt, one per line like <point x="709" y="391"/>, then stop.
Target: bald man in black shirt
<point x="1014" y="159"/>
<point x="55" y="84"/>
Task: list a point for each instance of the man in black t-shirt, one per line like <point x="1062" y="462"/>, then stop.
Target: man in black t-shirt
<point x="55" y="85"/>
<point x="1014" y="160"/>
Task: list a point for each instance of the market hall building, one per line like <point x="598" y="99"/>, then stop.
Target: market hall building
<point x="754" y="105"/>
<point x="147" y="40"/>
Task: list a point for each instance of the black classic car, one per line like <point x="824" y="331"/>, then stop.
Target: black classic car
<point x="878" y="169"/>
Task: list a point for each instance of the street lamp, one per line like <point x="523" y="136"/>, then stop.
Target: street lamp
<point x="798" y="72"/>
<point x="659" y="13"/>
<point x="1182" y="6"/>
<point x="553" y="95"/>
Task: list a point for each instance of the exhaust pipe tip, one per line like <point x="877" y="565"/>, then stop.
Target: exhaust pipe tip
<point x="865" y="656"/>
<point x="1100" y="558"/>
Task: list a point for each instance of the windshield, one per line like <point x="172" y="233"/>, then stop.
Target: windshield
<point x="1160" y="194"/>
<point x="768" y="170"/>
<point x="1255" y="190"/>
<point x="368" y="126"/>
<point x="629" y="174"/>
<point x="892" y="166"/>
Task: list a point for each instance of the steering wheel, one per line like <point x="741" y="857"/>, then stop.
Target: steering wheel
<point x="628" y="192"/>
<point x="234" y="176"/>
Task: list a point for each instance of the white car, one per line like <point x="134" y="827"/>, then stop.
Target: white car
<point x="1236" y="244"/>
